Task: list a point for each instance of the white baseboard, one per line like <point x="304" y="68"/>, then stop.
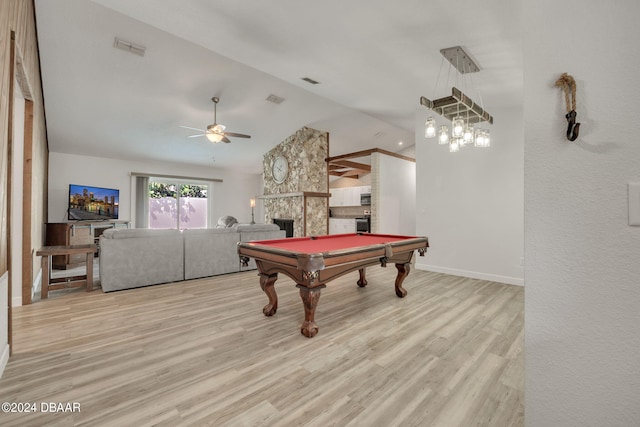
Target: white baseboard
<point x="472" y="274"/>
<point x="35" y="288"/>
<point x="16" y="300"/>
<point x="4" y="358"/>
<point x="4" y="341"/>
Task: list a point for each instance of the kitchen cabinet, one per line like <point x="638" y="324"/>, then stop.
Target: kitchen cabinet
<point x="343" y="197"/>
<point x="342" y="225"/>
<point x="337" y="197"/>
<point x="347" y="196"/>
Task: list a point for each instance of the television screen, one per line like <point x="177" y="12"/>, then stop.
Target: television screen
<point x="93" y="203"/>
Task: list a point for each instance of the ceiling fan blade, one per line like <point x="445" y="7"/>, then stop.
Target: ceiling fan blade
<point x="237" y="135"/>
<point x="187" y="127"/>
<point x="194" y="136"/>
<point x="225" y="139"/>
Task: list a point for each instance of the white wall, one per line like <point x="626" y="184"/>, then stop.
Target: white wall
<point x="230" y="197"/>
<point x="582" y="305"/>
<point x="470" y="203"/>
<point x="17" y="171"/>
<point x="393" y="189"/>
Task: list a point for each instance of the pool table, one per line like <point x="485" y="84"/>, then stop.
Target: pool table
<point x="314" y="261"/>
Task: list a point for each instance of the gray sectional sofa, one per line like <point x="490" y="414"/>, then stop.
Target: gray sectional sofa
<point x="131" y="258"/>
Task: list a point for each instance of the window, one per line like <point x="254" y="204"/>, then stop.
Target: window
<point x="169" y="201"/>
<point x="177" y="204"/>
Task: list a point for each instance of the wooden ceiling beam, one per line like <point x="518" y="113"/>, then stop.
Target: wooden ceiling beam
<point x="341" y="167"/>
<point x="353" y="173"/>
<point x="365" y="153"/>
<point x="351" y="165"/>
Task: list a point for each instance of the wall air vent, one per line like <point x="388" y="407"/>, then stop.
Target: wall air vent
<point x="310" y="80"/>
<point x="275" y="99"/>
<point x="128" y="46"/>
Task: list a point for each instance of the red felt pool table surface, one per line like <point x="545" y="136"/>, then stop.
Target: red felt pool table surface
<point x="331" y="243"/>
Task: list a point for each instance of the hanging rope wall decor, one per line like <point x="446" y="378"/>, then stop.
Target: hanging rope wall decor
<point x="568" y="85"/>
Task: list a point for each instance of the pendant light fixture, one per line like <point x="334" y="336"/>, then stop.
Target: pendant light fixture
<point x="461" y="110"/>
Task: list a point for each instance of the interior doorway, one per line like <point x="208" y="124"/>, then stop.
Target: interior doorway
<point x="19" y="221"/>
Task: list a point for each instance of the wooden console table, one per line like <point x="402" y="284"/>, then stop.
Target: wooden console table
<point x="76" y="233"/>
<point x="50" y="284"/>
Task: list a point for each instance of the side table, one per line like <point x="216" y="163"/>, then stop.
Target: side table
<point x="51" y="284"/>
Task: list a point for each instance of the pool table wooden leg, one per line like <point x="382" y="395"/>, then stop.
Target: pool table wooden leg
<point x="267" y="283"/>
<point x="310" y="298"/>
<point x="403" y="272"/>
<point x="362" y="282"/>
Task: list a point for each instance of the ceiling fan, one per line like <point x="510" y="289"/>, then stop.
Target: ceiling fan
<point x="215" y="132"/>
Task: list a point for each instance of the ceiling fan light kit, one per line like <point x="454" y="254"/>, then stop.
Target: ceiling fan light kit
<point x="459" y="108"/>
<point x="215" y="132"/>
<point x="214" y="137"/>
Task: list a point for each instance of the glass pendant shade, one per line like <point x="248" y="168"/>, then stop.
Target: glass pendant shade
<point x="479" y="141"/>
<point x="430" y="128"/>
<point x="443" y="138"/>
<point x="467" y="136"/>
<point x="214" y="137"/>
<point x="457" y="127"/>
<point x="482" y="138"/>
<point x="454" y="146"/>
<point x="487" y="138"/>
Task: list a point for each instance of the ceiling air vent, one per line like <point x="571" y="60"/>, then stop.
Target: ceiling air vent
<point x="128" y="46"/>
<point x="275" y="99"/>
<point x="310" y="80"/>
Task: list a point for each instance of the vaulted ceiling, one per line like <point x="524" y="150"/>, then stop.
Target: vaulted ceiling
<point x="373" y="59"/>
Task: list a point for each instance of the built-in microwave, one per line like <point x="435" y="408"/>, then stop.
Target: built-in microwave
<point x="365" y="199"/>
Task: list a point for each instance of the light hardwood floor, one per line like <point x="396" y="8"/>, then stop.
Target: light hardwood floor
<point x="202" y="353"/>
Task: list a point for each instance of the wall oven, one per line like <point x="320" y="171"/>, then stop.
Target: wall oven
<point x="363" y="225"/>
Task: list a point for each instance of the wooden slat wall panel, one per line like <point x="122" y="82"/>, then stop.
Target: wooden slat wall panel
<point x="18" y="16"/>
<point x="27" y="203"/>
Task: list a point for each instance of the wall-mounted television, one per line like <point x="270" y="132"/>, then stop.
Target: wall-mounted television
<point x="89" y="203"/>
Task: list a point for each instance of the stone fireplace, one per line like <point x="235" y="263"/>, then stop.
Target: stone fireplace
<point x="302" y="197"/>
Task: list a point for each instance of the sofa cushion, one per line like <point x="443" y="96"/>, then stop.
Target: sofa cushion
<point x="209" y="252"/>
<point x="133" y="233"/>
<point x="207" y="231"/>
<point x="140" y="257"/>
<point x="256" y="227"/>
<point x="249" y="232"/>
